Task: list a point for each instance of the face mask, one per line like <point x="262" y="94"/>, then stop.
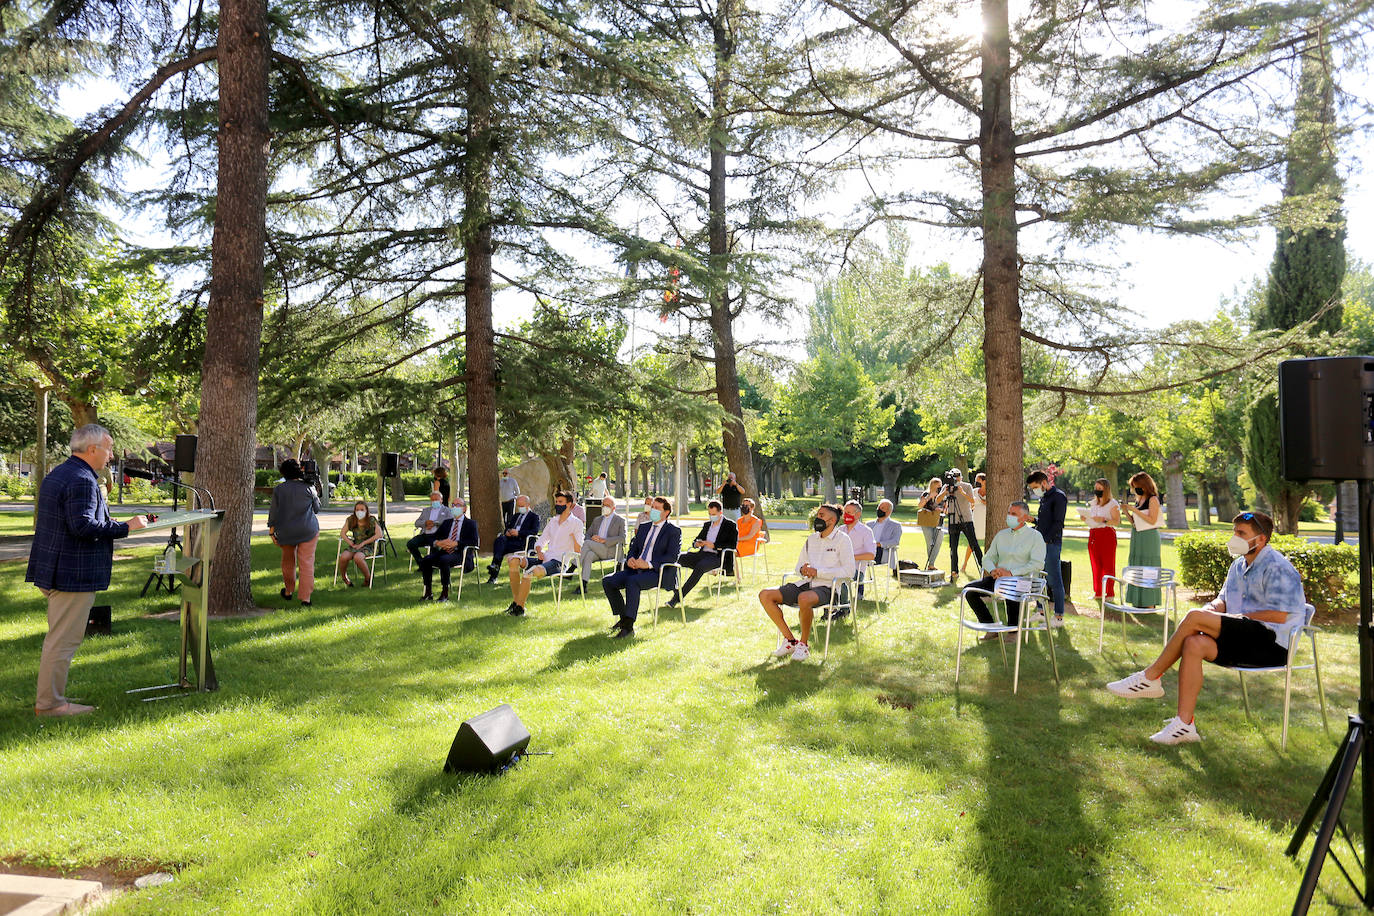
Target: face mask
<point x="1238" y="546"/>
<point x="1013" y="521"/>
<point x="521" y="510"/>
<point x="1100" y="493"/>
<point x="850" y="518"/>
<point x="608" y="510"/>
<point x="436" y="504"/>
<point x="1036" y="492"/>
<point x="560" y="508"/>
<point x="1139" y="492"/>
<point x="458" y="511"/>
<point x="745" y="510"/>
<point x="655" y="514"/>
<point x="714" y="515"/>
<point x="882" y="513"/>
<point x="818" y="524"/>
<point x="361" y="513"/>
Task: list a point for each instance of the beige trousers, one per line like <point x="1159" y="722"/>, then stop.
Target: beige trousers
<point x="67" y="616"/>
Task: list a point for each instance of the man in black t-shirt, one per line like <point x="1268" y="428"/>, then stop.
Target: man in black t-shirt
<point x="731" y="496"/>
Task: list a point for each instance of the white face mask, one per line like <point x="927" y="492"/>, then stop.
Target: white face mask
<point x="1238" y="546"/>
<point x="1036" y="492"/>
<point x="458" y="511"/>
<point x="361" y="513"/>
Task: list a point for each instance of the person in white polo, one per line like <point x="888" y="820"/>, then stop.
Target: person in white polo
<point x="827" y="555"/>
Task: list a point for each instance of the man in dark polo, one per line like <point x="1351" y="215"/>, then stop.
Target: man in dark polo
<point x="73" y="550"/>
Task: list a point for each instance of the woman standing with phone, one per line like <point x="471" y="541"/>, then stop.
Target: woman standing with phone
<point x="1146" y="515"/>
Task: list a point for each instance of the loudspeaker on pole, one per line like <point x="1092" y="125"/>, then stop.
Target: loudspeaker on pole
<point x="391" y="464"/>
<point x="185" y="459"/>
<point x="1326" y="418"/>
<point x="488" y="742"/>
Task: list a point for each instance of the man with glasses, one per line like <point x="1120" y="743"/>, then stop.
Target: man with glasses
<point x="71" y="558"/>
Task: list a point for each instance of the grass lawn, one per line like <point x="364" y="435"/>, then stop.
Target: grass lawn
<point x="690" y="771"/>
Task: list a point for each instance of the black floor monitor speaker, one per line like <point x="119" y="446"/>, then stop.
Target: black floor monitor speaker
<point x="1326" y="418"/>
<point x="185" y="458"/>
<point x="100" y="623"/>
<point x="487" y="743"/>
<point x="391" y="464"/>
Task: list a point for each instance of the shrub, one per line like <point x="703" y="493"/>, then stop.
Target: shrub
<point x="787" y="505"/>
<point x="1325" y="568"/>
<point x="14" y="486"/>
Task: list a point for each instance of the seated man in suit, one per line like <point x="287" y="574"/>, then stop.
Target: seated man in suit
<point x="455" y="534"/>
<point x="521" y="525"/>
<point x="656" y="542"/>
<point x="716" y="536"/>
<point x="428" y="523"/>
<point x="605" y="535"/>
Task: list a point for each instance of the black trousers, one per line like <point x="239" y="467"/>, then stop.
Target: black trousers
<point x="501" y="548"/>
<point x="980" y="606"/>
<point x="700" y="562"/>
<point x="507" y="508"/>
<point x="967" y="530"/>
<point x="416" y="543"/>
<point x="445" y="562"/>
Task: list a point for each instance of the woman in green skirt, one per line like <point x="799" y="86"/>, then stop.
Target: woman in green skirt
<point x="1146" y="516"/>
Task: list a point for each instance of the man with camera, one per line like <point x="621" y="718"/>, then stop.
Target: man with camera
<point x="956" y="502"/>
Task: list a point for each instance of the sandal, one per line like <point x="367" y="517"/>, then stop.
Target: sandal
<point x="285" y="594"/>
<point x="348" y="581"/>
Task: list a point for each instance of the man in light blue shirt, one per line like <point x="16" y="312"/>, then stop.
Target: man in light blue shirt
<point x="1250" y="623"/>
<point x="1017" y="550"/>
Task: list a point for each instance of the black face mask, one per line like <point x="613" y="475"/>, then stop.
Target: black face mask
<point x="1139" y="492"/>
<point x="560" y="508"/>
<point x="882" y="513"/>
<point x="818" y="525"/>
<point x="1100" y="493"/>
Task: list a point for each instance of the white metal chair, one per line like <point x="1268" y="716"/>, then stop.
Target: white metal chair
<point x="842" y="598"/>
<point x="658" y="591"/>
<point x="868" y="577"/>
<point x="760" y="551"/>
<point x="1140" y="577"/>
<point x="462" y="567"/>
<point x="527" y="552"/>
<point x="1295" y="635"/>
<point x="719" y="577"/>
<point x="567" y="569"/>
<point x="1030" y="592"/>
<point x="376" y="550"/>
<point x="615" y="561"/>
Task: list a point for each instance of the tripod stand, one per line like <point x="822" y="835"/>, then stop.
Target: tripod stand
<point x="167" y="580"/>
<point x="1359" y="739"/>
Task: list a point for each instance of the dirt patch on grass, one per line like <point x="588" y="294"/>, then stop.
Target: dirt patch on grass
<point x="115" y="874"/>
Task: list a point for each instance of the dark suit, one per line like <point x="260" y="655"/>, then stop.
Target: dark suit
<point x="700" y="562"/>
<point x="504" y="545"/>
<point x="665" y="549"/>
<point x="445" y="560"/>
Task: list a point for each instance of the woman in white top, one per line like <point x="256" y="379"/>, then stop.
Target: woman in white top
<point x="1146" y="512"/>
<point x="980" y="516"/>
<point x="1102" y="515"/>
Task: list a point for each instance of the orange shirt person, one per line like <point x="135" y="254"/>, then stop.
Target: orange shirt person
<point x="750" y="529"/>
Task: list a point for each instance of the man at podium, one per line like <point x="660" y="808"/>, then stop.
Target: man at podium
<point x="71" y="558"/>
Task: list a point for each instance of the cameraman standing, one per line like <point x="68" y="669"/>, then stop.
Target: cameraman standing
<point x="956" y="500"/>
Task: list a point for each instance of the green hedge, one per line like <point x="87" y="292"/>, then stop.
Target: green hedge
<point x="1325" y="568"/>
<point x="13" y="486"/>
<point x="362" y="485"/>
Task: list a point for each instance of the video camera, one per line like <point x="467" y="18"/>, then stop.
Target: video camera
<point x="949" y="492"/>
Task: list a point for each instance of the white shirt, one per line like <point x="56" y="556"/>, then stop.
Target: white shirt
<point x="561" y="536"/>
<point x="509" y="489"/>
<point x="1100" y="516"/>
<point x="598" y="488"/>
<point x="861" y="538"/>
<point x="832" y="556"/>
<point x="605" y="524"/>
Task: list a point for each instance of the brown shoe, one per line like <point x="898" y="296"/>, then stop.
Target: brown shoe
<point x="66" y="709"/>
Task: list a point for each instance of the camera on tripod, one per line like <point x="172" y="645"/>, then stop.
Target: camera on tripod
<point x="949" y="492"/>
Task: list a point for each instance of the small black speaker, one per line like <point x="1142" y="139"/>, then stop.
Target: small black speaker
<point x="487" y="743"/>
<point x="100" y="623"/>
<point x="1326" y="418"/>
<point x="391" y="464"/>
<point x="185" y="459"/>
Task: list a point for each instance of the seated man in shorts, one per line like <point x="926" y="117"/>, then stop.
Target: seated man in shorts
<point x="1249" y="623"/>
<point x="826" y="555"/>
<point x="562" y="536"/>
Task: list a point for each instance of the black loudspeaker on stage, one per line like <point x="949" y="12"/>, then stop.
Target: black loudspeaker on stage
<point x="1326" y="433"/>
<point x="488" y="743"/>
<point x="185" y="458"/>
<point x="391" y="464"/>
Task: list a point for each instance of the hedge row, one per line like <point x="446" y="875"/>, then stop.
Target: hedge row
<point x="361" y="485"/>
<point x="1326" y="569"/>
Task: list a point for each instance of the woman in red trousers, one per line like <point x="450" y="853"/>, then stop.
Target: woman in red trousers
<point x="1102" y="515"/>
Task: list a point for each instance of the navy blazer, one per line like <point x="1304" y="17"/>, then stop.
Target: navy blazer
<point x="73" y="537"/>
<point x="667" y="547"/>
<point x="467" y="534"/>
<point x="527" y="525"/>
<point x="1049" y="519"/>
<point x="727" y="538"/>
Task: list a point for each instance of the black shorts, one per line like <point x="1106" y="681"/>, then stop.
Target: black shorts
<point x="1248" y="643"/>
<point x="792" y="592"/>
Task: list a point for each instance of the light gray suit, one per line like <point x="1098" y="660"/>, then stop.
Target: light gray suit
<point x="592" y="550"/>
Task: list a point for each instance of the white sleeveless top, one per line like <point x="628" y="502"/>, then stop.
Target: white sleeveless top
<point x="1100" y="516"/>
<point x="1142" y="524"/>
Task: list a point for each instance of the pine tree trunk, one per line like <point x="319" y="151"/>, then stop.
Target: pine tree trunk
<point x="1175" y="507"/>
<point x="480" y="340"/>
<point x="1001" y="270"/>
<point x="233" y="321"/>
<point x="40" y="464"/>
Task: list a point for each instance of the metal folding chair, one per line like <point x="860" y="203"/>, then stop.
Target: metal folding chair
<point x="1028" y="592"/>
<point x="718" y="576"/>
<point x="377" y="549"/>
<point x="842" y="597"/>
<point x="1140" y="577"/>
<point x="1297" y="632"/>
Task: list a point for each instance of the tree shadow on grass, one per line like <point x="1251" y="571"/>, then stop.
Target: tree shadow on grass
<point x="586" y="648"/>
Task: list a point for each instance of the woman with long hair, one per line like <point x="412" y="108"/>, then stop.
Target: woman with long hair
<point x="1102" y="515"/>
<point x="1146" y="516"/>
<point x="293" y="527"/>
<point x="928" y="519"/>
<point x="357" y="534"/>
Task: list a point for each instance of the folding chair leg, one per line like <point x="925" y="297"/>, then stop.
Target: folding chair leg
<point x="1287" y="694"/>
<point x="1016" y="673"/>
<point x="959" y="645"/>
<point x="1101" y="620"/>
<point x="1244" y="694"/>
<point x="1321" y="693"/>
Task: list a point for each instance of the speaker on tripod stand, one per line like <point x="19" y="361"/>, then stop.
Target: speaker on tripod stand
<point x="1326" y="433"/>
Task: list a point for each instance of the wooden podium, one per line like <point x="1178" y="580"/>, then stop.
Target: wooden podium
<point x="195" y="566"/>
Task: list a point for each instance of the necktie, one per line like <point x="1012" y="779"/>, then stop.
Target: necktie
<point x="649" y="543"/>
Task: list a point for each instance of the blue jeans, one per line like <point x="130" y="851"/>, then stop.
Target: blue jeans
<point x="1054" y="576"/>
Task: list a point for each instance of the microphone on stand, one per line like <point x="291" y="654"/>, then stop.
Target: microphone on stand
<point x="142" y="475"/>
<point x="202" y="495"/>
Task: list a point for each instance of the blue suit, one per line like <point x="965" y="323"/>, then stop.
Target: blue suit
<point x="73" y="537"/>
<point x="665" y="549"/>
<point x="526" y="524"/>
<point x="444" y="560"/>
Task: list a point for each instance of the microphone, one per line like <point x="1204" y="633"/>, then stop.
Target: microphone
<point x="202" y="495"/>
<point x="142" y="475"/>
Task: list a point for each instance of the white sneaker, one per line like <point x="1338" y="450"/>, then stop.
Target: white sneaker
<point x="1057" y="622"/>
<point x="785" y="647"/>
<point x="1175" y="731"/>
<point x="1137" y="685"/>
<point x="1038" y="618"/>
<point x="801" y="652"/>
